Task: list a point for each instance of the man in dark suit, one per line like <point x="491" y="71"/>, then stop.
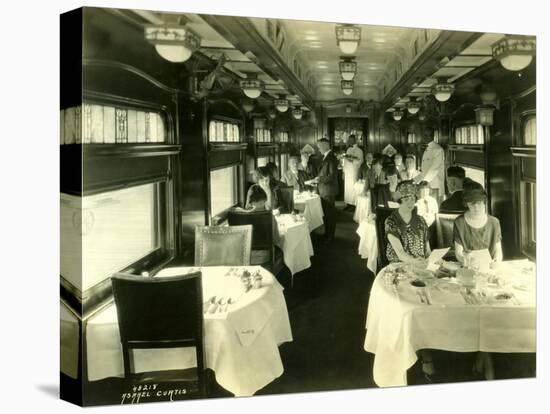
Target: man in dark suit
<point x="455" y="181"/>
<point x="327" y="185"/>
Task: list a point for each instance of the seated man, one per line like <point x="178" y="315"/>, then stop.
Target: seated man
<point x="292" y="176"/>
<point x="455" y="182"/>
<point x="410" y="168"/>
<point x="426" y="205"/>
<point x="384" y="193"/>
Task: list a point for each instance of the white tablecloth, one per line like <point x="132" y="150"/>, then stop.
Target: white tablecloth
<point x="368" y="244"/>
<point x="295" y="242"/>
<point x="310" y="206"/>
<point x="241" y="345"/>
<point x="398" y="324"/>
<point x="362" y="209"/>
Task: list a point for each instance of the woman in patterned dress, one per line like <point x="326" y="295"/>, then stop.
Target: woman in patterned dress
<point x="407" y="235"/>
<point x="406" y="231"/>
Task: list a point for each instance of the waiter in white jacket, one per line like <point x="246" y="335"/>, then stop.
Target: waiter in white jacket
<point x="353" y="159"/>
<point x="433" y="166"/>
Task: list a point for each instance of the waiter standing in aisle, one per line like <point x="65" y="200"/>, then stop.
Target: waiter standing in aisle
<point x="433" y="166"/>
<point x="353" y="159"/>
<point x="327" y="185"/>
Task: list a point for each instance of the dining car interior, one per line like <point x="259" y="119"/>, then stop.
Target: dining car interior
<point x="258" y="206"/>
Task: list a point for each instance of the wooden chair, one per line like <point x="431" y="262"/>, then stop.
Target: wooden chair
<point x="286" y="202"/>
<point x="382" y="213"/>
<point x="264" y="252"/>
<point x="444" y="223"/>
<point x="223" y="245"/>
<point x="161" y="312"/>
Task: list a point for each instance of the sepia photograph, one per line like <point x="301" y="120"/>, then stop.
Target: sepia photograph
<point x="256" y="206"/>
<point x="269" y="207"/>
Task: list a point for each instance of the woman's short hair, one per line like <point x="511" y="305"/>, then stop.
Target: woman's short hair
<point x="256" y="194"/>
<point x="271" y="167"/>
<point x="261" y="172"/>
<point x="411" y="156"/>
<point x="474" y="194"/>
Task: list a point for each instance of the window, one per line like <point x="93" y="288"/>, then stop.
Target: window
<point x="476" y="174"/>
<point x="224" y="189"/>
<point x="219" y="131"/>
<point x="103" y="124"/>
<point x="530" y="131"/>
<point x="528" y="195"/>
<point x="108" y="232"/>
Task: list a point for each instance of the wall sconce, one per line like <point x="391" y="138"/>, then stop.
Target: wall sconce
<point x="397" y="114"/>
<point x="421" y="116"/>
<point x="348" y="68"/>
<point x="484" y="115"/>
<point x="347" y="87"/>
<point x="443" y="91"/>
<point x="272" y="114"/>
<point x="174" y="43"/>
<point x="297" y="113"/>
<point x="252" y="86"/>
<point x="514" y="52"/>
<point x="281" y="104"/>
<point x="348" y="109"/>
<point x="348" y="38"/>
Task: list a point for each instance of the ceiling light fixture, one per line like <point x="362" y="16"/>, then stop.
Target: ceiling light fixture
<point x="413" y="107"/>
<point x="174" y="43"/>
<point x="347" y="87"/>
<point x="297" y="113"/>
<point x="348" y="68"/>
<point x="348" y="38"/>
<point x="514" y="52"/>
<point x="443" y="91"/>
<point x="281" y="104"/>
<point x="252" y="86"/>
<point x="397" y="114"/>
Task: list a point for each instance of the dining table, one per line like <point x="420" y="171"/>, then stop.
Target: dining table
<point x="412" y="309"/>
<point x="368" y="243"/>
<point x="294" y="239"/>
<point x="309" y="205"/>
<point x="242" y="333"/>
<point x="362" y="208"/>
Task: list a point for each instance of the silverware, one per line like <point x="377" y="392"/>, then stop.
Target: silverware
<point x="420" y="296"/>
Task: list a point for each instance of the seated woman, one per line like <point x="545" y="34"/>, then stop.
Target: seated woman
<point x="426" y="205"/>
<point x="475" y="229"/>
<point x="274" y="174"/>
<point x="406" y="231"/>
<point x="257" y="201"/>
<point x="407" y="237"/>
<point x="292" y="176"/>
<point x="384" y="193"/>
<point x="263" y="177"/>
